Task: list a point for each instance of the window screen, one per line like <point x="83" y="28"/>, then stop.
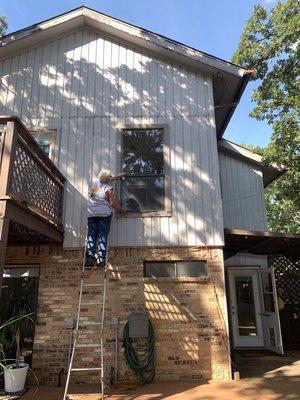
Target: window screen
<point x="175" y="269"/>
<point x="143" y="190"/>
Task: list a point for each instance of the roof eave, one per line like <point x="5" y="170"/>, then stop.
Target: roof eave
<point x="163" y="47"/>
<point x="271" y="171"/>
<point x="122" y="29"/>
<point x="238" y="94"/>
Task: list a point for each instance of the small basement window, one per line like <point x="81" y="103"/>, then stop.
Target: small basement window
<point x="175" y="269"/>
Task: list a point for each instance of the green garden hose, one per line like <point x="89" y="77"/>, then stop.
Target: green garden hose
<point x="140" y="359"/>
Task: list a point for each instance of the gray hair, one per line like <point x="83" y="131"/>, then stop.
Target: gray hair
<point x="105" y="175"/>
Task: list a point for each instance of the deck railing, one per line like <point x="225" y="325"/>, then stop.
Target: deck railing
<point x="28" y="176"/>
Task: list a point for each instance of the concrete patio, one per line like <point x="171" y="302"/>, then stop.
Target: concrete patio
<point x="264" y="376"/>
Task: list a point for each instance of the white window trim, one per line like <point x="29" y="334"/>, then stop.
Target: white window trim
<point x="167" y="212"/>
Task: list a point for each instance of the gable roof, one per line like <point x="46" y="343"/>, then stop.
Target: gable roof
<point x="270" y="171"/>
<point x="229" y="80"/>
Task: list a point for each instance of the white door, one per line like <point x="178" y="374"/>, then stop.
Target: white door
<point x="270" y="314"/>
<point x="245" y="307"/>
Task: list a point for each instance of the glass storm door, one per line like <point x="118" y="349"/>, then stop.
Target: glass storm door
<point x="245" y="307"/>
<point x="270" y="313"/>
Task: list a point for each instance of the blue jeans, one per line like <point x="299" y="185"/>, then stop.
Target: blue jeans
<point x="98" y="230"/>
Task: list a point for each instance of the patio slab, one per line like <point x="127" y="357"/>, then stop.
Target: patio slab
<point x="279" y="379"/>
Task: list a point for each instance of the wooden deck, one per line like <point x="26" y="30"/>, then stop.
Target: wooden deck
<point x="31" y="190"/>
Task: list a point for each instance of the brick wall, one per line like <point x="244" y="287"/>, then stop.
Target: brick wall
<point x="188" y="314"/>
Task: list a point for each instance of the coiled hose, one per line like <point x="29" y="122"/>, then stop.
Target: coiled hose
<point x="140" y="359"/>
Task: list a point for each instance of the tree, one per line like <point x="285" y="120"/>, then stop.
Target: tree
<point x="270" y="43"/>
<point x="3" y="25"/>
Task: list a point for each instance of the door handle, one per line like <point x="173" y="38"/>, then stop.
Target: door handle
<point x="265" y="315"/>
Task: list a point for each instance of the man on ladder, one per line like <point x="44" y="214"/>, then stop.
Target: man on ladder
<point x="101" y="203"/>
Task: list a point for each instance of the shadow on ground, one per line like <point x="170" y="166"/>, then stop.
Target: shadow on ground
<point x="272" y="378"/>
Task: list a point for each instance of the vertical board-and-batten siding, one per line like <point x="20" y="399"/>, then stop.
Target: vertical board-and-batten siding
<point x="242" y="194"/>
<point x="85" y="85"/>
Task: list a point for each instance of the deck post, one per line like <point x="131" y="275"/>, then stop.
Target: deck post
<point x="8" y="143"/>
<point x="4" y="223"/>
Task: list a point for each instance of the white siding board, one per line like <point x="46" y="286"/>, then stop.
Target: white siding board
<point x="84" y="84"/>
<point x="20" y="84"/>
<point x="242" y="194"/>
<point x="247" y="260"/>
<point x="61" y="76"/>
<point x="12" y="85"/>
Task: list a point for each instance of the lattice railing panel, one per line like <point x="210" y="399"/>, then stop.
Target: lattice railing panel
<point x="33" y="184"/>
<point x="287" y="276"/>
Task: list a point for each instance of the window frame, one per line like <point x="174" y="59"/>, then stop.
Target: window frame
<point x="178" y="278"/>
<point x="167" y="212"/>
<point x="28" y="266"/>
<point x="53" y="133"/>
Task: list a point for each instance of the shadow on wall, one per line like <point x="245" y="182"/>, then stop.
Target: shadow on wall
<point x="191" y="342"/>
<point x="182" y="329"/>
<point x="84" y="85"/>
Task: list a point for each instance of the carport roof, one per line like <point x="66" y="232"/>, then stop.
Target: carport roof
<point x="261" y="243"/>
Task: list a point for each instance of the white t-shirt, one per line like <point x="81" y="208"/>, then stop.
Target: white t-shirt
<point x="97" y="205"/>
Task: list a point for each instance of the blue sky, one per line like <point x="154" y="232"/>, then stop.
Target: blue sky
<point x="211" y="26"/>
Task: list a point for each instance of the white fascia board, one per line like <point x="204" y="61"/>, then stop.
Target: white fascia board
<point x="239" y="150"/>
<point x="139" y="36"/>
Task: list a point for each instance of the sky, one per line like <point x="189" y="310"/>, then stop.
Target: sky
<point x="213" y="26"/>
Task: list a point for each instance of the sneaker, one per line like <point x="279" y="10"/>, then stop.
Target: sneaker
<point x="89" y="264"/>
<point x="101" y="264"/>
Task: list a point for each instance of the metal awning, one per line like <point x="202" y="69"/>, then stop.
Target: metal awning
<point x="261" y="243"/>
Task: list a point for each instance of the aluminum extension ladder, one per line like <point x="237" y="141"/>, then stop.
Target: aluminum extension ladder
<point x="85" y="324"/>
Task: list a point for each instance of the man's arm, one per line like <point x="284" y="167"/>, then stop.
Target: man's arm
<point x="113" y="202"/>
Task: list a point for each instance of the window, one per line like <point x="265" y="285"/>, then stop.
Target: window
<point x="175" y="269"/>
<point x="144" y="160"/>
<point x="19" y="284"/>
<point x="46" y="138"/>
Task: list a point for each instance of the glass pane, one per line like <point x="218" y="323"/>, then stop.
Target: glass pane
<point x="143" y="194"/>
<point x="269" y="302"/>
<point x="267" y="282"/>
<point x="245" y="306"/>
<point x="160" y="270"/>
<point x="143" y="151"/>
<point x="272" y="336"/>
<point x="44" y="140"/>
<point x="191" y="268"/>
<point x="19" y="291"/>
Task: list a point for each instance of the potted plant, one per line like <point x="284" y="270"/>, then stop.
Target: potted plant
<point x="15" y="320"/>
<point x="12" y="384"/>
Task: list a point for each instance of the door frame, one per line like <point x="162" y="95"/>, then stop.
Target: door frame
<point x="237" y="340"/>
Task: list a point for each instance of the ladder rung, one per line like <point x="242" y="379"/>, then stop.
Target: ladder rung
<point x="87" y="369"/>
<point x="92" y="303"/>
<point x="92" y="284"/>
<point x="80" y="345"/>
<point x="89" y="323"/>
